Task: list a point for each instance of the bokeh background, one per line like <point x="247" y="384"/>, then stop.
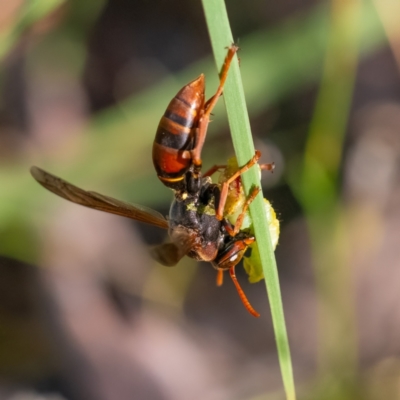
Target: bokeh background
<point x="86" y="314"/>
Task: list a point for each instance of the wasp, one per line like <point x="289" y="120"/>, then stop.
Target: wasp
<point x="196" y="223"/>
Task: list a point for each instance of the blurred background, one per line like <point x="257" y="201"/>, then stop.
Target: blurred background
<point x="86" y="314"/>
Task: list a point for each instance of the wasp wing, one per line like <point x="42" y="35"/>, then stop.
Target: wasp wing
<point x="183" y="241"/>
<point x="98" y="201"/>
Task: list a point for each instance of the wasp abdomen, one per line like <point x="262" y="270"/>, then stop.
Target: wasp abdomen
<point x="176" y="132"/>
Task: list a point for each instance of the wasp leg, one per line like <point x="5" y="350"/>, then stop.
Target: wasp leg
<point x="213" y="98"/>
<point x="268" y="167"/>
<point x="208" y="107"/>
<point x="242" y="296"/>
<point x="232" y="50"/>
<point x="220" y="277"/>
<point x="214" y="169"/>
<point x="225" y="185"/>
<point x="238" y="224"/>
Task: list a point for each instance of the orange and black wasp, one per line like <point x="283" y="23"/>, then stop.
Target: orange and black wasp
<point x="196" y="222"/>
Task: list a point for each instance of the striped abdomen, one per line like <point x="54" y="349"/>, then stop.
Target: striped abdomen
<point x="176" y="133"/>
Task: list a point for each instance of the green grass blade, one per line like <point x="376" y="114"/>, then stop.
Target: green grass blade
<point x="221" y="37"/>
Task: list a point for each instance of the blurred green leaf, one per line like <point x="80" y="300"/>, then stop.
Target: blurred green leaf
<point x="30" y="12"/>
<point x="316" y="184"/>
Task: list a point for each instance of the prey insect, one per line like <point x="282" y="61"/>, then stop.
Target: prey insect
<point x="196" y="224"/>
<point x="235" y="212"/>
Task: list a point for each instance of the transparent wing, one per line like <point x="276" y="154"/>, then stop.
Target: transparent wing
<point x="169" y="254"/>
<point x="98" y="201"/>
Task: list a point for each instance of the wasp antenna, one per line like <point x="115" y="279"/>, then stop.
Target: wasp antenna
<point x="242" y="296"/>
<point x="220" y="277"/>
